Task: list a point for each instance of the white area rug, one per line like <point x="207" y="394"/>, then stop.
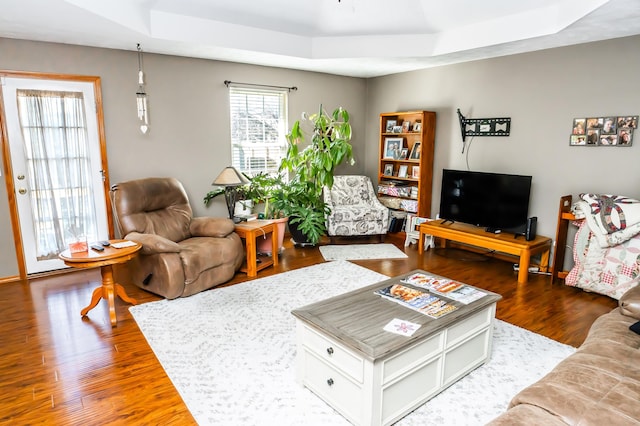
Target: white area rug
<point x="230" y="354"/>
<point x="361" y="251"/>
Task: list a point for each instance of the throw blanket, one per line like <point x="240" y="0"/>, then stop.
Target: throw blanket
<point x="605" y="270"/>
<point x="612" y="219"/>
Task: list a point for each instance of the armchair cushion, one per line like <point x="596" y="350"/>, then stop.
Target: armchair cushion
<point x="211" y="227"/>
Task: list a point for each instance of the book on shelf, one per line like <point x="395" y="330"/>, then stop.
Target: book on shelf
<point x="418" y="300"/>
<point x="445" y="287"/>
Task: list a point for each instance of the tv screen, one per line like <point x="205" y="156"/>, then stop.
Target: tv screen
<point x="492" y="200"/>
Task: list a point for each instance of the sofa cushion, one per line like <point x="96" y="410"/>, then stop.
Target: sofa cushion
<point x="630" y="303"/>
<point x="527" y="415"/>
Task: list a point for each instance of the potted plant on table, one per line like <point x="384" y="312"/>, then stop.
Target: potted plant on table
<point x="270" y="190"/>
<point x="311" y="169"/>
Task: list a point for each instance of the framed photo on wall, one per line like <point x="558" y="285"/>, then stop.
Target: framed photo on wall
<point x="625" y="136"/>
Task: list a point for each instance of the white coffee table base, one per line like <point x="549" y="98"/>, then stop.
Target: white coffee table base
<point x="380" y="392"/>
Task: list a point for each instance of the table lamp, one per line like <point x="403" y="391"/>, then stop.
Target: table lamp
<point x="230" y="179"/>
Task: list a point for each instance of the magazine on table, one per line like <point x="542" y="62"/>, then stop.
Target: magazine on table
<point x="418" y="300"/>
<point x="445" y="287"/>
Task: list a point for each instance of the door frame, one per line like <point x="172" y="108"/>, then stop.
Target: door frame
<point x="6" y="155"/>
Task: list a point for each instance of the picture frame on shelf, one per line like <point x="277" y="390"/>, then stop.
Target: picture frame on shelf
<point x="404" y="152"/>
<point x="417" y="126"/>
<point x="406" y="126"/>
<point x="390" y="125"/>
<point x="415" y="172"/>
<point x="402" y="171"/>
<point x="415" y="151"/>
<point x="392" y="148"/>
<point x="397" y="129"/>
<point x="388" y="169"/>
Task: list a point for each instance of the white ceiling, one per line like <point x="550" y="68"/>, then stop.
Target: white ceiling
<point x="360" y="38"/>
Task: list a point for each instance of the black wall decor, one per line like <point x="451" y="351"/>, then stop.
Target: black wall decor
<point x="484" y="126"/>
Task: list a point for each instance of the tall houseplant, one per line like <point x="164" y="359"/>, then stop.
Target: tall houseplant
<point x="312" y="168"/>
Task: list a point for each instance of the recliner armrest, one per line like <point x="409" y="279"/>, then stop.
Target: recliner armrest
<point x="153" y="244"/>
<point x="217" y="227"/>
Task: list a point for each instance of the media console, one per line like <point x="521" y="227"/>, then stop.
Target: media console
<point x="503" y="242"/>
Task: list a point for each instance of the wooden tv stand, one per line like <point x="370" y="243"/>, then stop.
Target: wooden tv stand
<point x="504" y="242"/>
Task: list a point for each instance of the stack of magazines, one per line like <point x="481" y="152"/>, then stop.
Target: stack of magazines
<point x="445" y="287"/>
<point x="418" y="300"/>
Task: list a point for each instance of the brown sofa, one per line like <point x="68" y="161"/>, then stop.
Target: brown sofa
<point x="598" y="385"/>
<point x="181" y="255"/>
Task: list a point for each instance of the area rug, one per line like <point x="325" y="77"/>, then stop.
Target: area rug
<point x="230" y="353"/>
<point x="361" y="252"/>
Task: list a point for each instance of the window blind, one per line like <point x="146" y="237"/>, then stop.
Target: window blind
<point x="258" y="129"/>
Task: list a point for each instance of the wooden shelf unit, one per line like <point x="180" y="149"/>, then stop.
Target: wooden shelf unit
<point x="426" y="137"/>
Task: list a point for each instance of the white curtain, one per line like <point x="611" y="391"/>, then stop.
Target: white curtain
<point x="57" y="155"/>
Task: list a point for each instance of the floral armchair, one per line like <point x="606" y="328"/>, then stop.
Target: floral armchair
<point x="355" y="209"/>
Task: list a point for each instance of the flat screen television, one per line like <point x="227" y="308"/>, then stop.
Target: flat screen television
<point x="492" y="200"/>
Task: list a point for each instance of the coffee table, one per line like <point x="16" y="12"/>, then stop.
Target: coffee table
<point x="374" y="377"/>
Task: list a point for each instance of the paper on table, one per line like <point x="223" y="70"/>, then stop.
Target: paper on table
<point x="404" y="328"/>
<point x="123" y="244"/>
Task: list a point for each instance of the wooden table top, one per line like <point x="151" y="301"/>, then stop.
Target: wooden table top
<point x="92" y="258"/>
<point x="357" y="318"/>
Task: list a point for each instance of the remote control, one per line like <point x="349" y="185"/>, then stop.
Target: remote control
<point x="97" y="247"/>
<point x="105" y="243"/>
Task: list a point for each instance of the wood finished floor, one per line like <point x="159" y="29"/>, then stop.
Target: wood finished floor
<point x="59" y="368"/>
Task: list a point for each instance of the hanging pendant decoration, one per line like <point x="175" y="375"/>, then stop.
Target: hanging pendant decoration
<point x="141" y="95"/>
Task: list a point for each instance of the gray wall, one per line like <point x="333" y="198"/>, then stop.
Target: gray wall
<point x="542" y="92"/>
<point x="189" y="113"/>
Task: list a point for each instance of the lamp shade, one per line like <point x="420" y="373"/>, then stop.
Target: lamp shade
<point x="230" y="177"/>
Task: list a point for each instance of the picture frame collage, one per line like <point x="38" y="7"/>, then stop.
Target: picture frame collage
<point x="603" y="131"/>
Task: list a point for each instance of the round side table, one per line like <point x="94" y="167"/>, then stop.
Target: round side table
<point x="105" y="260"/>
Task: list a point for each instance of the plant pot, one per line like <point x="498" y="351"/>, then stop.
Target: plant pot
<point x="264" y="244"/>
<point x="298" y="237"/>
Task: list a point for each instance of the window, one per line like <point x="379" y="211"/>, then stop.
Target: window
<point x="258" y="129"/>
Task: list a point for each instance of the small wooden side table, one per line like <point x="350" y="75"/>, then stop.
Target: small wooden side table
<point x="251" y="230"/>
<point x="105" y="260"/>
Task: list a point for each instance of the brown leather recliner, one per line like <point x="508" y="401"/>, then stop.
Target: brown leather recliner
<point x="181" y="255"/>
